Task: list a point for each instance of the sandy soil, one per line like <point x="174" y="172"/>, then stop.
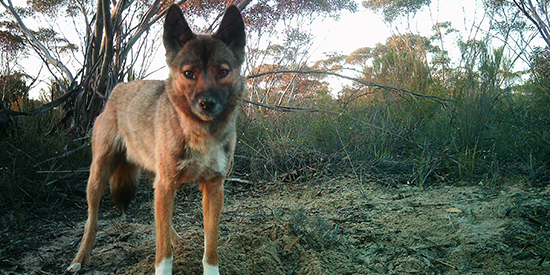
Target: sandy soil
<point x="326" y="226"/>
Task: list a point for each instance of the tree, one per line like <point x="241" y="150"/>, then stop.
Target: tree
<point x="113" y="31"/>
<point x="104" y="49"/>
<point x="518" y="22"/>
<point x="12" y="47"/>
<point x="522" y="15"/>
<point x="13" y="88"/>
<point x="401" y="62"/>
<point x="393" y="10"/>
<point x="285" y="88"/>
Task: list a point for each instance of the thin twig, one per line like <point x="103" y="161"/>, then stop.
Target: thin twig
<point x="78" y="171"/>
<point x="64" y="154"/>
<point x="238" y="180"/>
<point x="451" y="221"/>
<point x="348" y="157"/>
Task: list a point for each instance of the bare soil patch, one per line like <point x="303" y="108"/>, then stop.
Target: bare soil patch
<point x="328" y="226"/>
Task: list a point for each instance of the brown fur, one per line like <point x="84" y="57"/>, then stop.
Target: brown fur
<point x="124" y="184"/>
<point x="182" y="130"/>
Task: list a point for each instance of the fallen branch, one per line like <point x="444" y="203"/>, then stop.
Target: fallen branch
<point x="442" y="101"/>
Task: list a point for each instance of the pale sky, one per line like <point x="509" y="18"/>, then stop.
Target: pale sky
<point x="366" y="28"/>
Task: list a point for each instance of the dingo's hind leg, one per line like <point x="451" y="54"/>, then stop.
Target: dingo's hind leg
<point x="106" y="153"/>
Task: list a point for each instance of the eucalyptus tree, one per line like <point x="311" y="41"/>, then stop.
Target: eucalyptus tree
<point x="115" y="40"/>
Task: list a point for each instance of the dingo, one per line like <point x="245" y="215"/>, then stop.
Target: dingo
<point x="181" y="129"/>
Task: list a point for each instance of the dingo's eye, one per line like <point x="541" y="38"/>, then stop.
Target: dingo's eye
<point x="189" y="75"/>
<point x="222" y="73"/>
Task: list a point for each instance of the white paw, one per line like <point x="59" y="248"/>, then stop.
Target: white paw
<point x="210" y="270"/>
<point x="164" y="267"/>
<point x="74" y="267"/>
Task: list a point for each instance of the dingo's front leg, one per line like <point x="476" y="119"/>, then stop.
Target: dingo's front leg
<point x="212" y="202"/>
<point x="164" y="208"/>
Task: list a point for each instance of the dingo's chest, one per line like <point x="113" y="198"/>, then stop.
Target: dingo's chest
<point x="204" y="161"/>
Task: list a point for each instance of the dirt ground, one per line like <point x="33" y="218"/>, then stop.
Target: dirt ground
<point x="329" y="226"/>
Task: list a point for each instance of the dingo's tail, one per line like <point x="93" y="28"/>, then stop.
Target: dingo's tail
<point x="124" y="184"/>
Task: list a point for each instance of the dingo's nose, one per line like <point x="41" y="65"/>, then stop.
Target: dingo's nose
<point x="207" y="104"/>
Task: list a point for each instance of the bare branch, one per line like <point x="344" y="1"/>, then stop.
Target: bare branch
<point x="108" y="46"/>
<point x="287" y="109"/>
<point x="531" y="14"/>
<point x="39" y="47"/>
<point x="442" y="101"/>
<point x="83" y="10"/>
<point x="118" y="9"/>
<point x="96" y="38"/>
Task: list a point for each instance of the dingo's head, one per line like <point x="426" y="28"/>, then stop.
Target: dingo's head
<point x="204" y="69"/>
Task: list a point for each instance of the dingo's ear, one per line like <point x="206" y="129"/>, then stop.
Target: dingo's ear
<point x="176" y="31"/>
<point x="231" y="31"/>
